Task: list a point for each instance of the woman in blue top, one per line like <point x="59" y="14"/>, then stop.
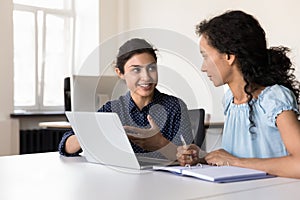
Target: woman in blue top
<point x="158" y="118"/>
<point x="261" y="129"/>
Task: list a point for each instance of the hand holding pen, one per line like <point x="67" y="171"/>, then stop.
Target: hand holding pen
<point x="188" y="154"/>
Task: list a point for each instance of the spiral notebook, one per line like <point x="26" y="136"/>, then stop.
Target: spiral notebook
<point x="221" y="174"/>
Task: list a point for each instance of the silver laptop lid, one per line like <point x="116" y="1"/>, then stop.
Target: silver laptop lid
<point x="103" y="138"/>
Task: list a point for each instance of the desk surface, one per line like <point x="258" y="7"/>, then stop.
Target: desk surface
<point x="51" y="176"/>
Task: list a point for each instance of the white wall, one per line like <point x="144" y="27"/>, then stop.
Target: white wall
<point x="110" y="18"/>
<point x="278" y="18"/>
<point x="6" y="59"/>
<point x="8" y="127"/>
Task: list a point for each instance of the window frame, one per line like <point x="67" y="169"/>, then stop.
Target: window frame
<point x="40" y="54"/>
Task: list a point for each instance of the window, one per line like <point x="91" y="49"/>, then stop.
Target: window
<point x="43" y="52"/>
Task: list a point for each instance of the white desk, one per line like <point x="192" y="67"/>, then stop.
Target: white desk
<point x="50" y="176"/>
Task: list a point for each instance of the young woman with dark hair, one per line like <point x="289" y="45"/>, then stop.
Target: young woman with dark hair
<point x="261" y="129"/>
<point x="158" y="118"/>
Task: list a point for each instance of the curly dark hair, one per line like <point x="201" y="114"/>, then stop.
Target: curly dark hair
<point x="132" y="47"/>
<point x="240" y="34"/>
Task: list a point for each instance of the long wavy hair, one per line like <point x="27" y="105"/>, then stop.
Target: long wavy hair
<point x="240" y="34"/>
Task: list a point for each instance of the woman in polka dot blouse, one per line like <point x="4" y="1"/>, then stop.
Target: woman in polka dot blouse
<point x="153" y="120"/>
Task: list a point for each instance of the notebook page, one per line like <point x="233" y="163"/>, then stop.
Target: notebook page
<point x="222" y="173"/>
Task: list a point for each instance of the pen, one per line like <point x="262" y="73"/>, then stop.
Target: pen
<point x="182" y="140"/>
<point x="184" y="144"/>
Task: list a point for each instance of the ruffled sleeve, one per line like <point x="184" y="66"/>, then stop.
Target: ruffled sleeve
<point x="276" y="99"/>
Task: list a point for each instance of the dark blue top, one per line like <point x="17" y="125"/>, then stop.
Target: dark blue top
<point x="168" y="112"/>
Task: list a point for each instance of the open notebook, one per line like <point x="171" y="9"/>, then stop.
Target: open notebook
<point x="220" y="174"/>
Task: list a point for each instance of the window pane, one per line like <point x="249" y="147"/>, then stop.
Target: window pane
<point x="55" y="4"/>
<point x="56" y="60"/>
<point x="24" y="59"/>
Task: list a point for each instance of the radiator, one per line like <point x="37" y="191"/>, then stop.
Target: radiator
<point x="40" y="140"/>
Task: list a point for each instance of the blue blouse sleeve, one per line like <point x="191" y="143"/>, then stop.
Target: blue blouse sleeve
<point x="276" y="99"/>
<point x="227" y="98"/>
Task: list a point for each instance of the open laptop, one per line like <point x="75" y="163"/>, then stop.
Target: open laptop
<point x="104" y="140"/>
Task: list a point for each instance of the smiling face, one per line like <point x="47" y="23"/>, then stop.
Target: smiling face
<point x="140" y="75"/>
<point x="216" y="65"/>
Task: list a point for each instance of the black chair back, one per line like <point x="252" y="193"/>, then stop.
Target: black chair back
<point x="67" y="93"/>
<point x="197" y="117"/>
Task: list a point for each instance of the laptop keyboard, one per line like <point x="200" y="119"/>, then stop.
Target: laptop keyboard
<point x="146" y="161"/>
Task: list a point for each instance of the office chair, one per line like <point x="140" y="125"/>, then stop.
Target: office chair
<point x="67" y="94"/>
<point x="197" y="122"/>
